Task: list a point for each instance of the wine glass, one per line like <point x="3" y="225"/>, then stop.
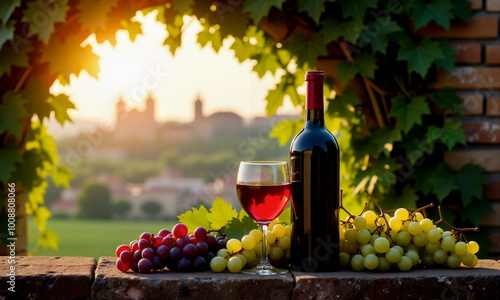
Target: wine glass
<point x="263" y="188"/>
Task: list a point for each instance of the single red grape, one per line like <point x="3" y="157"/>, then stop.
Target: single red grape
<point x="181" y="242"/>
<point x="180" y="230"/>
<point x="126" y="256"/>
<point x="199" y="263"/>
<point x="148" y="253"/>
<point x="134" y="246"/>
<point x="200" y="234"/>
<point x="202" y="249"/>
<point x="163" y="232"/>
<point x="162" y="252"/>
<point x="122" y="266"/>
<point x="189" y="251"/>
<point x="211" y="241"/>
<point x="146" y="236"/>
<point x="121" y="248"/>
<point x="175" y="253"/>
<point x="157" y="240"/>
<point x="133" y="266"/>
<point x="168" y="241"/>
<point x="145" y="265"/>
<point x="144" y="244"/>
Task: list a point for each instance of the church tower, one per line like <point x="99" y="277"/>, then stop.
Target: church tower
<point x="198" y="110"/>
<point x="150" y="108"/>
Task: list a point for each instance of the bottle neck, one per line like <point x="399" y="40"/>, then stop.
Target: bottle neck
<point x="314" y="103"/>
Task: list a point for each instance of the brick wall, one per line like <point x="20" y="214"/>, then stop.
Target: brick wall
<point x="477" y="81"/>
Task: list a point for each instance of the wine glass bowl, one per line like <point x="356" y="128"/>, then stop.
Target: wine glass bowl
<point x="263" y="188"/>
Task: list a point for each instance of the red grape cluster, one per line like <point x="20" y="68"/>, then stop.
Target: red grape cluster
<point x="174" y="249"/>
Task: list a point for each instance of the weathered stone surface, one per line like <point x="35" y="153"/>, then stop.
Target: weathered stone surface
<point x="39" y="277"/>
<point x="110" y="283"/>
<point x="482" y="282"/>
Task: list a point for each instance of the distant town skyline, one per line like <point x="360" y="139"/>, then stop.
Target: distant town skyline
<point x="134" y="69"/>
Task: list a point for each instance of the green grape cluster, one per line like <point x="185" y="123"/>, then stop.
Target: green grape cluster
<point x="245" y="252"/>
<point x="402" y="241"/>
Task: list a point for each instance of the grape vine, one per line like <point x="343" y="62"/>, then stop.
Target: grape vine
<point x="392" y="144"/>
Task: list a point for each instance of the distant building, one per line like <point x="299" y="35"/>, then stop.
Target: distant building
<point x="135" y="124"/>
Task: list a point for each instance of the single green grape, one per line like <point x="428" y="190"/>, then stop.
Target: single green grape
<point x="351" y="247"/>
<point x="426" y="225"/>
<point x="448" y="244"/>
<point x="247" y="242"/>
<point x="234" y="264"/>
<point x="345" y="259"/>
<point x="370" y="216"/>
<point x="279" y="230"/>
<point x="250" y="255"/>
<point x="359" y="222"/>
<point x="381" y="245"/>
<point x="420" y="240"/>
<point x="399" y="249"/>
<point x="467" y="259"/>
<point x="222" y="252"/>
<point x="414" y="228"/>
<point x="243" y="259"/>
<point x="401" y="213"/>
<point x="405" y="263"/>
<point x="351" y="235"/>
<point x="276" y="253"/>
<point x="393" y="255"/>
<point x="413" y="255"/>
<point x="271" y="238"/>
<point x="256" y="234"/>
<point x="428" y="260"/>
<point x="371" y="261"/>
<point x="373" y="238"/>
<point x="432" y="247"/>
<point x="473" y="247"/>
<point x="358" y="262"/>
<point x="383" y="264"/>
<point x="419" y="217"/>
<point x="453" y="261"/>
<point x="218" y="264"/>
<point x="404" y="238"/>
<point x="460" y="248"/>
<point x="395" y="223"/>
<point x="364" y="236"/>
<point x="367" y="249"/>
<point x="284" y="242"/>
<point x="233" y="246"/>
<point x="434" y="235"/>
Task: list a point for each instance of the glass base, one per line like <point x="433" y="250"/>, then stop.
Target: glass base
<point x="264" y="269"/>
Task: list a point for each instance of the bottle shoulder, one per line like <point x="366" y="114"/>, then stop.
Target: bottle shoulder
<point x="310" y="137"/>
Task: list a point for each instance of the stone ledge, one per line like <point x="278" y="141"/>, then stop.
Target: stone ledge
<point x="47" y="277"/>
<point x="78" y="278"/>
<point x="482" y="282"/>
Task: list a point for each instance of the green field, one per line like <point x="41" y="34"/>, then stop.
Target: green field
<point x="94" y="238"/>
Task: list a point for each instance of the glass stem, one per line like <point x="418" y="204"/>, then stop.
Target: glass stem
<point x="263" y="256"/>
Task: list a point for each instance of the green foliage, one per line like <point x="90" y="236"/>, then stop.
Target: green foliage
<point x="121" y="207"/>
<point x="151" y="208"/>
<point x="95" y="201"/>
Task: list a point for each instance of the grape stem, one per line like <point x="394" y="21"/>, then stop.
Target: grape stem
<point x="455" y="230"/>
<point x="422" y="209"/>
<point x="382" y="214"/>
<point x="351" y="216"/>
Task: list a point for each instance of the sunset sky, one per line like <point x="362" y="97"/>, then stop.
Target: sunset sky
<point x="129" y="68"/>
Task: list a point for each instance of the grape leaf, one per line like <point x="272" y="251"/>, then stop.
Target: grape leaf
<point x="307" y="50"/>
<point x="284" y="130"/>
<point x="343" y="105"/>
<point x="286" y="216"/>
<point x="195" y="218"/>
<point x="221" y="213"/>
<point x="364" y="64"/>
<point x="266" y="62"/>
<point x="61" y="175"/>
<point x="133" y="28"/>
<point x="75" y="57"/>
<point x="214" y="38"/>
<point x="296" y="99"/>
<point x="12" y="112"/>
<point x="448" y="62"/>
<point x="461" y="10"/>
<point x="52" y="12"/>
<point x="379" y="39"/>
<point x="355" y="8"/>
<point x="434" y="10"/>
<point x="448" y="98"/>
<point x="407" y="199"/>
<point x="40" y="217"/>
<point x="182" y="5"/>
<point x="7" y="7"/>
<point x="236" y="228"/>
<point x="333" y="29"/>
<point x="230" y="17"/>
<point x="260" y="8"/>
<point x="275" y="98"/>
<point x="16" y="57"/>
<point x="10" y="154"/>
<point x="475" y="211"/>
<point x="26" y="171"/>
<point x="420" y="56"/>
<point x="450" y="133"/>
<point x="37" y="94"/>
<point x="468" y="180"/>
<point x="93" y="13"/>
<point x="421" y="175"/>
<point x="381" y="172"/>
<point x="61" y="104"/>
<point x="49" y="239"/>
<point x="313" y="8"/>
<point x="6" y="32"/>
<point x="409" y="114"/>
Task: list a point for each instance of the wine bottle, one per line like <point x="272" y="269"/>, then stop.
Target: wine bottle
<point x="314" y="167"/>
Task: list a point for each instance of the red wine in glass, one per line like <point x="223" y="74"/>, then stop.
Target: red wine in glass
<point x="263" y="202"/>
